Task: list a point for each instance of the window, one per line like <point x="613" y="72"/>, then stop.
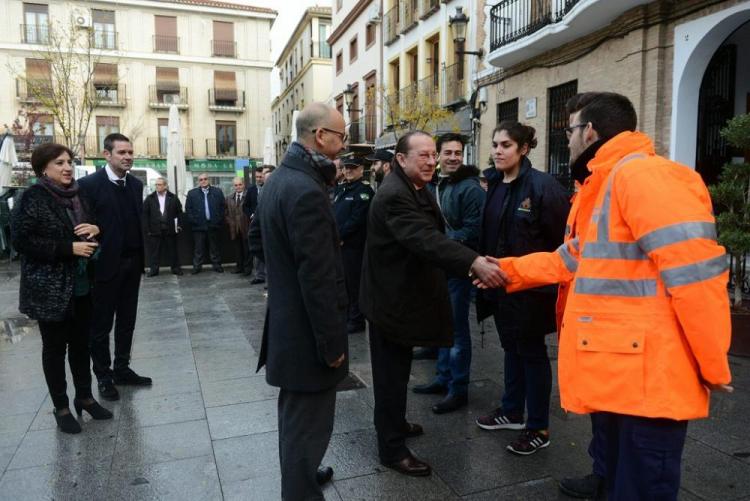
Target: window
<point x="226" y="138"/>
<point x="104" y="29"/>
<point x="371" y="118"/>
<point x="339" y="3"/>
<point x="36" y="23"/>
<point x="340" y="104"/>
<point x="339" y="62"/>
<point x="163" y="125"/>
<point x="44" y="126"/>
<point x="38" y="83"/>
<point x="165" y="35"/>
<point x="353" y="49"/>
<point x="507" y="110"/>
<point x="369" y="35"/>
<point x="105" y="83"/>
<point x="167" y="85"/>
<point x="223" y="42"/>
<point x="225" y="88"/>
<point x="558" y="154"/>
<point x="104" y="127"/>
<point x="324" y="50"/>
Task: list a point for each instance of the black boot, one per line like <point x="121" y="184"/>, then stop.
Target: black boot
<point x="66" y="422"/>
<point x="95" y="410"/>
<point x="589" y="487"/>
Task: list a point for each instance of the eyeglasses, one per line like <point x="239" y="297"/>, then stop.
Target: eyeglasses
<point x="202" y="179"/>
<point x="342" y="135"/>
<point x="569" y="130"/>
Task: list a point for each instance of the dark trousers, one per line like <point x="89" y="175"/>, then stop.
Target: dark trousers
<point x="244" y="258"/>
<point x="73" y="334"/>
<point x="391" y="366"/>
<point x="167" y="242"/>
<point x="200" y="239"/>
<point x="305" y="428"/>
<point x="528" y="376"/>
<point x="642" y="456"/>
<point x="352" y="260"/>
<point x="115" y="298"/>
<point x="454" y="363"/>
<point x="597" y="447"/>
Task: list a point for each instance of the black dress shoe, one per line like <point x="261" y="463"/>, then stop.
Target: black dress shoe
<point x="450" y="403"/>
<point x="153" y="273"/>
<point x="256" y="281"/>
<point x="425" y="354"/>
<point x="592" y="486"/>
<point x="108" y="391"/>
<point x="433" y="388"/>
<point x="95" y="410"/>
<point x="218" y="269"/>
<point x="129" y="377"/>
<point x="238" y="270"/>
<point x="66" y="422"/>
<point x="177" y="271"/>
<point x="195" y="271"/>
<point x="324" y="475"/>
<point x="410" y="466"/>
<point x="414" y="430"/>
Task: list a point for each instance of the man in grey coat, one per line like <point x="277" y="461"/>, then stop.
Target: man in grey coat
<point x="305" y="343"/>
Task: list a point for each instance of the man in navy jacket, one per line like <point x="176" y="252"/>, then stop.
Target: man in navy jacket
<point x="204" y="210"/>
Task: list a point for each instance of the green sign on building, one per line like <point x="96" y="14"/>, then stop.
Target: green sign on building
<point x="211" y="165"/>
<point x="159" y="165"/>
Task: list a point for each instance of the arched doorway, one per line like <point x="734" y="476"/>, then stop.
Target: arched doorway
<point x="696" y="45"/>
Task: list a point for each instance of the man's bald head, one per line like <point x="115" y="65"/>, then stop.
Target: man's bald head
<point x="321" y="128"/>
<point x="311" y="117"/>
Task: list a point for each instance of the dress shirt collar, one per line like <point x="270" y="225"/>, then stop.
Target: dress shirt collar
<point x="113" y="177"/>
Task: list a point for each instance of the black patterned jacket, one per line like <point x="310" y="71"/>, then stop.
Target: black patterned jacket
<point x="43" y="234"/>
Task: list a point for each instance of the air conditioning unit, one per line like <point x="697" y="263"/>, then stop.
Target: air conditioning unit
<point x="172" y="98"/>
<point x="82" y="18"/>
<point x="373" y="15"/>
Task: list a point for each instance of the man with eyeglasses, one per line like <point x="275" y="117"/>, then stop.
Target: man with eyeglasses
<point x="204" y="209"/>
<point x="305" y="343"/>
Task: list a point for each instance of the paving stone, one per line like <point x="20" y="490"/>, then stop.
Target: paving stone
<point x="236" y="391"/>
<point x="544" y="489"/>
<point x="162" y="443"/>
<point x="393" y="487"/>
<point x="13" y="428"/>
<point x="242" y="419"/>
<point x="711" y="474"/>
<point x="79" y="480"/>
<point x="247" y="457"/>
<point x="173" y="408"/>
<point x="46" y="447"/>
<point x="266" y="488"/>
<point x="22" y="401"/>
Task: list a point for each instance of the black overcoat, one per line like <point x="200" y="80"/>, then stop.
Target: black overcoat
<point x="404" y="290"/>
<point x="305" y="327"/>
<point x="152" y="213"/>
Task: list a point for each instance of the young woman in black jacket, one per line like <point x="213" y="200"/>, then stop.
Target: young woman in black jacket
<point x="52" y="231"/>
<point x="525" y="212"/>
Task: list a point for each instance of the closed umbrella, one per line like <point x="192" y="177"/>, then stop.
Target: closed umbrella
<point x="268" y="148"/>
<point x="295" y="114"/>
<point x="8" y="159"/>
<point x="176" y="171"/>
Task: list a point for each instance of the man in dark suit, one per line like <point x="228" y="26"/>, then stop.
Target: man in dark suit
<point x="404" y="292"/>
<point x="238" y="224"/>
<point x="204" y="209"/>
<point x="305" y="343"/>
<point x="161" y="213"/>
<point x="249" y="207"/>
<point x="116" y="198"/>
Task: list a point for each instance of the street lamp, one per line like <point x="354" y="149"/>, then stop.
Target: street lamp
<point x="349" y="97"/>
<point x="458" y="26"/>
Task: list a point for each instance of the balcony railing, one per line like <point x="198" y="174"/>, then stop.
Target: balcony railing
<point x="429" y="87"/>
<point x="227" y="148"/>
<point x="33" y="91"/>
<point x="104" y="39"/>
<point x="324" y="50"/>
<point x="223" y="48"/>
<point x="157" y="146"/>
<point x="111" y="95"/>
<point x="35" y="33"/>
<point x="390" y="26"/>
<point x="26" y="143"/>
<point x="454" y="84"/>
<point x="363" y="130"/>
<point x="428" y="7"/>
<point x="409" y="93"/>
<point x="409" y="15"/>
<point x="166" y="44"/>
<point x="511" y="20"/>
<point x="164" y="96"/>
<point x="226" y="100"/>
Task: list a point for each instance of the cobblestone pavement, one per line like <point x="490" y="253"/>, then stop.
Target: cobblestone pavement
<point x="207" y="428"/>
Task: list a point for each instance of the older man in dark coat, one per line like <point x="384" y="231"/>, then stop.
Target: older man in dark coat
<point x="304" y="338"/>
<point x="404" y="292"/>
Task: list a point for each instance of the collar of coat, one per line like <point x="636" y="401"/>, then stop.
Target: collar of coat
<point x="463" y="172"/>
<point x="494" y="176"/>
<point x="623" y="144"/>
<point x="300" y="157"/>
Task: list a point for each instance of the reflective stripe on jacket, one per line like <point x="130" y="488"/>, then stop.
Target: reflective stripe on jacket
<point x="646" y="319"/>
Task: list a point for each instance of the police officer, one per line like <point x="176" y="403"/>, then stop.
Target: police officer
<point x="350" y="207"/>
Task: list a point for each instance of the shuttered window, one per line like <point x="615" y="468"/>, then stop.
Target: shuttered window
<point x="225" y="86"/>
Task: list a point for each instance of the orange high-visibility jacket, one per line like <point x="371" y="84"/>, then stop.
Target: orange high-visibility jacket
<point x="646" y="319"/>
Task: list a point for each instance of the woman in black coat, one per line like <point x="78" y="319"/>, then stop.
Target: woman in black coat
<point x="51" y="230"/>
<point x="525" y="211"/>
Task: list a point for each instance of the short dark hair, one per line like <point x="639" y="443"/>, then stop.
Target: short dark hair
<point x="270" y="168"/>
<point x="520" y="133"/>
<point x="448" y="138"/>
<point x="404" y="142"/>
<point x="109" y="141"/>
<point x="45" y="153"/>
<point x="609" y="113"/>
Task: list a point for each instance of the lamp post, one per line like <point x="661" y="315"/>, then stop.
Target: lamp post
<point x="458" y="26"/>
<point x="349" y="97"/>
<point x="354" y="131"/>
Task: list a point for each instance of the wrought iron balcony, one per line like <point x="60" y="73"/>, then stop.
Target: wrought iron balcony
<point x="409" y="15"/>
<point x="33" y="91"/>
<point x="223" y="48"/>
<point x="428" y="7"/>
<point x="363" y="130"/>
<point x="390" y="26"/>
<point x="104" y="39"/>
<point x="157" y="146"/>
<point x="35" y="34"/>
<point x="162" y="96"/>
<point x="454" y="84"/>
<point x="227" y="147"/>
<point x="25" y="143"/>
<point x="109" y="95"/>
<point x="324" y="50"/>
<point x="166" y="44"/>
<point x="429" y="87"/>
<point x="511" y="20"/>
<point x="226" y="100"/>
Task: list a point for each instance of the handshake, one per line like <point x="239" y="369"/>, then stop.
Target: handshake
<point x="486" y="272"/>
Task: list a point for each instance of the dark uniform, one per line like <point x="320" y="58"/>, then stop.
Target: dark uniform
<point x="350" y="205"/>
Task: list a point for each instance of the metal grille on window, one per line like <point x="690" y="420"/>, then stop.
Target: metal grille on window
<point x="557" y="119"/>
<point x="507" y="110"/>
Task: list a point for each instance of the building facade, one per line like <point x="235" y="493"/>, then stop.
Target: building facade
<point x="304" y="67"/>
<point x="210" y="58"/>
<point x="683" y="64"/>
<point x="357" y="51"/>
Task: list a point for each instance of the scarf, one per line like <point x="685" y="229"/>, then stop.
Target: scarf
<point x="66" y="197"/>
<point x="320" y="162"/>
<point x="578" y="169"/>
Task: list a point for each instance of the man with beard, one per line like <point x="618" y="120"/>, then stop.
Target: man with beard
<point x="381" y="164"/>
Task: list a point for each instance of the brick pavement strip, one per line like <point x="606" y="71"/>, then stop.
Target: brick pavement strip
<point x="207" y="428"/>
